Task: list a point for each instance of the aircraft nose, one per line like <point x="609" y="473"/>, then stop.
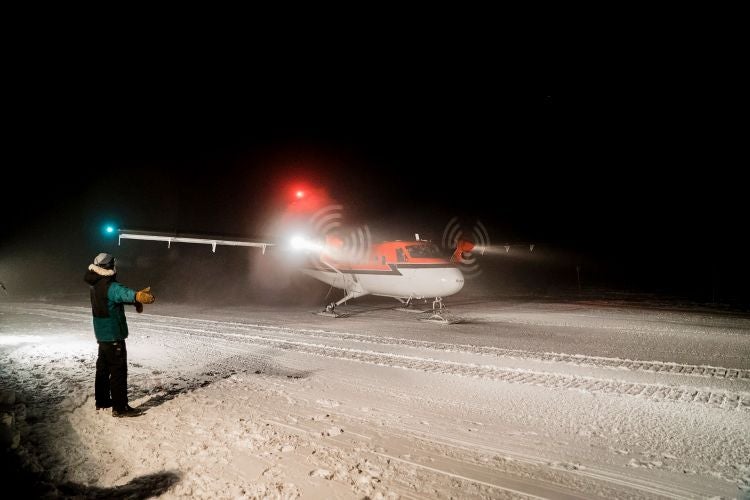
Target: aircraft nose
<point x="452" y="282"/>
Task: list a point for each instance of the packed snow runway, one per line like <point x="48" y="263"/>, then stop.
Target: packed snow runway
<point x="541" y="399"/>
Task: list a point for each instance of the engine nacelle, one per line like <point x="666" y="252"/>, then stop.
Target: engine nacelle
<point x="461" y="247"/>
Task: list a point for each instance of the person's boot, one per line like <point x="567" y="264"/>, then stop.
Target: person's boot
<point x="105" y="404"/>
<point x="128" y="411"/>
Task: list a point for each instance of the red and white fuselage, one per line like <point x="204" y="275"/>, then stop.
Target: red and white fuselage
<point x="398" y="269"/>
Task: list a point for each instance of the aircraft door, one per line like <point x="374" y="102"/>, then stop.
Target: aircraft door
<point x="400" y="255"/>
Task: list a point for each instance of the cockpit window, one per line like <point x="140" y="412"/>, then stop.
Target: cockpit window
<point x="425" y="251"/>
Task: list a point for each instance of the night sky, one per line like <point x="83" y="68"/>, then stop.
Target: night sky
<point x="635" y="187"/>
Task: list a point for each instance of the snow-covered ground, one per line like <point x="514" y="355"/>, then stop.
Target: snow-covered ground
<point x="524" y="399"/>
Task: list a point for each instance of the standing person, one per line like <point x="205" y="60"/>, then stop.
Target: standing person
<point x="111" y="330"/>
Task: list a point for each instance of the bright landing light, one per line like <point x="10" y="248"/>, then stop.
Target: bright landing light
<point x="300" y="194"/>
<point x="302" y="243"/>
<point x="298" y="242"/>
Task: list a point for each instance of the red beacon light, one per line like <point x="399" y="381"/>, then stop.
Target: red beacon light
<point x="299" y="194"/>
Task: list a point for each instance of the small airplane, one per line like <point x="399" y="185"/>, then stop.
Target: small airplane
<point x="404" y="270"/>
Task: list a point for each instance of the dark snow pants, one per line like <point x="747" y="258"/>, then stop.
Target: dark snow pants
<point x="111" y="375"/>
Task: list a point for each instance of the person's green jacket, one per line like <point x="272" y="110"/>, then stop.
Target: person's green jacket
<point x="107" y="299"/>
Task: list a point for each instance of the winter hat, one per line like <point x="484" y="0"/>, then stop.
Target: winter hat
<point x="105" y="261"/>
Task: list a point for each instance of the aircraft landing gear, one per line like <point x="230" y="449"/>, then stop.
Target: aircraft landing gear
<point x="440" y="314"/>
<point x="330" y="310"/>
<point x="408" y="306"/>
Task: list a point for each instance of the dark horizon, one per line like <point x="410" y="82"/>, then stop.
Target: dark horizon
<point x="626" y="188"/>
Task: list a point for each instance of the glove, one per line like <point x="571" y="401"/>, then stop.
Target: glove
<point x="144" y="296"/>
<point x="138" y="307"/>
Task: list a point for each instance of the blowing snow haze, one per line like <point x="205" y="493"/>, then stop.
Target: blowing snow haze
<point x="598" y="184"/>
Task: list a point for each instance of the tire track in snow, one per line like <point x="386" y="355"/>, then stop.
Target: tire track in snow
<point x="574" y="359"/>
<point x="253" y="334"/>
<point x="654" y="392"/>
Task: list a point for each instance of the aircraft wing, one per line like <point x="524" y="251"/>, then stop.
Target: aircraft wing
<point x="127" y="234"/>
